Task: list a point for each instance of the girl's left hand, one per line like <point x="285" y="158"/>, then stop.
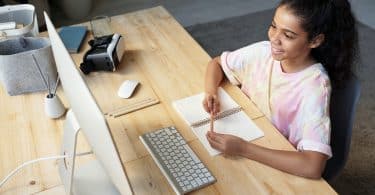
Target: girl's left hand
<point x="228" y="144"/>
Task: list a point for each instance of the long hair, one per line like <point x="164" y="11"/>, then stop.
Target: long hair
<point x="333" y="18"/>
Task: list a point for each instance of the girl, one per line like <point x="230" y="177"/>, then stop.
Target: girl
<point x="312" y="43"/>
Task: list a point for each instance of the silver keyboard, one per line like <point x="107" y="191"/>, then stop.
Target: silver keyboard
<point x="179" y="164"/>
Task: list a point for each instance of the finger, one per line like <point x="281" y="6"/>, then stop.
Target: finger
<point x="215" y="136"/>
<point x="209" y="133"/>
<point x="210" y="101"/>
<point x="213" y="143"/>
<point x="221" y="135"/>
<point x="216" y="107"/>
<point x="207" y="103"/>
<point x="216" y="104"/>
<point x="205" y="106"/>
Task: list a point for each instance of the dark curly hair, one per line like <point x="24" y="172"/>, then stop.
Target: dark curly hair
<point x="333" y="18"/>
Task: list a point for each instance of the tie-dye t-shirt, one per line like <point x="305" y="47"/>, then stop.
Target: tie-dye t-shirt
<point x="296" y="103"/>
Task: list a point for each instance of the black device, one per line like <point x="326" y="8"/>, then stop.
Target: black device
<point x="105" y="54"/>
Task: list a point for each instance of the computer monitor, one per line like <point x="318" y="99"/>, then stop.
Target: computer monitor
<point x="106" y="174"/>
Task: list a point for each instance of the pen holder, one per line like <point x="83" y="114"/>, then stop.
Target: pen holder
<point x="53" y="106"/>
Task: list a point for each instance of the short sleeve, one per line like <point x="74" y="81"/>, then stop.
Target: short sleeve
<point x="314" y="120"/>
<point x="237" y="64"/>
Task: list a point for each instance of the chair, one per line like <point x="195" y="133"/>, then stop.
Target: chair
<point x="342" y="111"/>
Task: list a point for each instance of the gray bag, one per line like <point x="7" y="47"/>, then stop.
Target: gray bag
<point x="18" y="72"/>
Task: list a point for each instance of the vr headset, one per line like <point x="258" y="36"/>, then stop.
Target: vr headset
<point x="105" y="54"/>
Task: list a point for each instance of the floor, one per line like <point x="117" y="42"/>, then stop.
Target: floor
<point x="186" y="12"/>
<point x="196" y="11"/>
<point x="364" y="11"/>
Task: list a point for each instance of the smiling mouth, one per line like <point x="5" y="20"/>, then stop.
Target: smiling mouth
<point x="276" y="51"/>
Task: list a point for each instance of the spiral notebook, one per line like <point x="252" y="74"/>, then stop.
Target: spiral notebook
<point x="231" y="120"/>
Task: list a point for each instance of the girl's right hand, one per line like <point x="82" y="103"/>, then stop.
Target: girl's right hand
<point x="211" y="103"/>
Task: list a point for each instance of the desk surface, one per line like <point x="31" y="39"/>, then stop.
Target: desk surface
<point x="170" y="65"/>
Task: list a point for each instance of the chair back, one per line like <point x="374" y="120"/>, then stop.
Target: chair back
<point x="342" y="110"/>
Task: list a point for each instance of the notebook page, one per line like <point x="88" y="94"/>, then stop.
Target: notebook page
<point x="191" y="108"/>
<point x="238" y="124"/>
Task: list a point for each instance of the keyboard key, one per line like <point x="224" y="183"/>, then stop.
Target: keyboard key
<point x="168" y="131"/>
<point x="199" y="181"/>
<point x="192" y="154"/>
<point x="194" y="183"/>
<point x="205" y="180"/>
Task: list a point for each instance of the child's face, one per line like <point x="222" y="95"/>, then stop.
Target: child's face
<point x="288" y="39"/>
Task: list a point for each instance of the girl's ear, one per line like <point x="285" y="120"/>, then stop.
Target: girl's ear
<point x="317" y="41"/>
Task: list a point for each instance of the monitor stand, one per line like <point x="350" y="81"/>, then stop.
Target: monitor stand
<point x="89" y="178"/>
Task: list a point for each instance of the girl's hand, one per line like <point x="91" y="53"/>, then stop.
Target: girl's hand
<point x="211" y="103"/>
<point x="228" y="144"/>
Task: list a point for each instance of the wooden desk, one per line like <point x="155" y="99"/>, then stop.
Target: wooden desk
<point x="170" y="65"/>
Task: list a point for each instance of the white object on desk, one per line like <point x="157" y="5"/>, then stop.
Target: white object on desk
<point x="133" y="107"/>
<point x="7" y="25"/>
<point x="53" y="106"/>
<point x="127" y="88"/>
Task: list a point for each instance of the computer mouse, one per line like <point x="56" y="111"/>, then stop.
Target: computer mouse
<point x="127" y="88"/>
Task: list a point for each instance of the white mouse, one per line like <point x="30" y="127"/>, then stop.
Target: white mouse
<point x="127" y="88"/>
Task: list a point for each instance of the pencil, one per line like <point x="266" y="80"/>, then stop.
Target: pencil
<point x="122" y="112"/>
<point x="212" y="122"/>
<point x="212" y="118"/>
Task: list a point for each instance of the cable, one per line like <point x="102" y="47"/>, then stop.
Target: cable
<point x="84" y="153"/>
<point x="34" y="161"/>
<point x="27" y="163"/>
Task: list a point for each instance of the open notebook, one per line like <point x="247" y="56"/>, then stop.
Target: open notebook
<point x="231" y="119"/>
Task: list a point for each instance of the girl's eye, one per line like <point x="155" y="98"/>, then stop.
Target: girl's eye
<point x="288" y="36"/>
<point x="272" y="26"/>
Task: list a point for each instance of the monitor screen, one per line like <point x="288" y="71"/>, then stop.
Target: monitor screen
<point x="87" y="112"/>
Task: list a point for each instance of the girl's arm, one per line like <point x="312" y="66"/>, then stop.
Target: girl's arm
<point x="214" y="76"/>
<point x="307" y="164"/>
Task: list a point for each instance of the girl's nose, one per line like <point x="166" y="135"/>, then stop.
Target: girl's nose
<point x="275" y="38"/>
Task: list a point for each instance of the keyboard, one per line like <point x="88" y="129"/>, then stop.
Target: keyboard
<point x="179" y="164"/>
